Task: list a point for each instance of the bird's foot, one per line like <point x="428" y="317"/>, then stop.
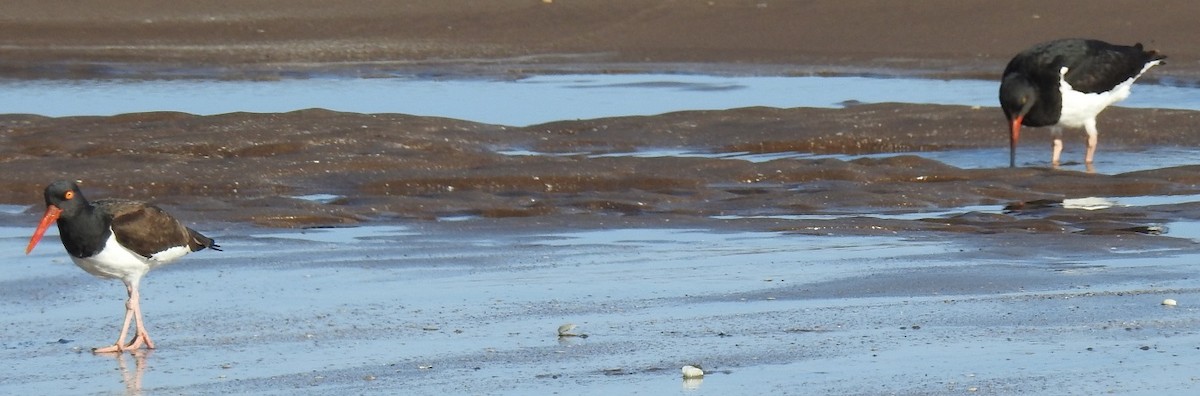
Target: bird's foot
<point x="138" y="340"/>
<point x="114" y="348"/>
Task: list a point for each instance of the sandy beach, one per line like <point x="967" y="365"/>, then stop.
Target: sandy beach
<point x="390" y="253"/>
<point x="939" y="37"/>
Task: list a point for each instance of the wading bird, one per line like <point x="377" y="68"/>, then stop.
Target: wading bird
<point x="1066" y="83"/>
<point x="117" y="239"/>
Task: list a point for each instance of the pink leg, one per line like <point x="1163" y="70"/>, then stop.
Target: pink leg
<point x="141" y="336"/>
<point x="1056" y="153"/>
<point x="133" y="313"/>
<point x="1090" y="127"/>
<point x="129" y="305"/>
<point x="1091" y="150"/>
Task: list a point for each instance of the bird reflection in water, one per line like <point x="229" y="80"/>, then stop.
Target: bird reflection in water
<point x="132" y="378"/>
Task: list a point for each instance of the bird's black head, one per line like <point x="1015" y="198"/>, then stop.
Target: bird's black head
<point x="65" y="195"/>
<point x="1017" y="96"/>
<point x="64" y="202"/>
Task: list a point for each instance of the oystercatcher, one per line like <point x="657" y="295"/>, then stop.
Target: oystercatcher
<point x="121" y="239"/>
<point x="1066" y="83"/>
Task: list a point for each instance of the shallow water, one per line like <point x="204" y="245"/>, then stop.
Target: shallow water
<point x="12" y="209"/>
<point x="519" y="102"/>
<point x="1107" y="162"/>
<point x="1180" y="228"/>
<point x="432" y="308"/>
<point x="370" y="310"/>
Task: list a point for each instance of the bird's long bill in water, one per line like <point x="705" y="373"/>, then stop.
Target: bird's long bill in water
<point x="1015" y="129"/>
<point x="50" y="217"/>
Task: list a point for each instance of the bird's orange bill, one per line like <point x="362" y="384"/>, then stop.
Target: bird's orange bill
<point x="50" y="217"/>
<point x="1015" y="129"/>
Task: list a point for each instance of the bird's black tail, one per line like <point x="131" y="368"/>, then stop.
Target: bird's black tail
<point x="1150" y="55"/>
<point x="199" y="241"/>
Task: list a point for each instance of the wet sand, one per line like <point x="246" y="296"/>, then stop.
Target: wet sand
<point x="460" y="260"/>
<point x="251" y="168"/>
<point x="280" y="37"/>
<point x="473" y="308"/>
<point x="243" y="167"/>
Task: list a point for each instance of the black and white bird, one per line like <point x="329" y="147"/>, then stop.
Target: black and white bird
<point x="117" y="239"/>
<point x="1066" y="83"/>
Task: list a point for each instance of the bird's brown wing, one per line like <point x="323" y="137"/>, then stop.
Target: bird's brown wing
<point x="143" y="228"/>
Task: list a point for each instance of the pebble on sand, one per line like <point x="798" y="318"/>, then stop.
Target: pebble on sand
<point x="692" y="372"/>
<point x="568" y="330"/>
<point x="1170" y="302"/>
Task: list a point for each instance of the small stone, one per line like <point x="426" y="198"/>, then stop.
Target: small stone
<point x="568" y="330"/>
<point x="1170" y="302"/>
<point x="692" y="372"/>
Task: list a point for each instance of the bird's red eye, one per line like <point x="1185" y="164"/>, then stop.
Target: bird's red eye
<point x="69" y="195"/>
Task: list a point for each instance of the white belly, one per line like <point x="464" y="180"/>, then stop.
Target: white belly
<point x="1079" y="108"/>
<point x="115" y="261"/>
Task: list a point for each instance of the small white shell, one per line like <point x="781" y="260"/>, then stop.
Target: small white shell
<point x="692" y="372"/>
<point x="1170" y="302"/>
